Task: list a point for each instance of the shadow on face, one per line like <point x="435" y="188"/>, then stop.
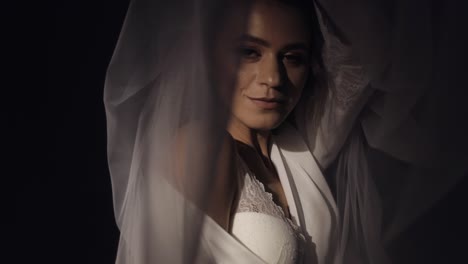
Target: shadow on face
<point x="269" y="60"/>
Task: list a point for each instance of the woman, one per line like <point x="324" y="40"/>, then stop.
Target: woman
<point x="182" y="75"/>
<point x="270" y="60"/>
<point x="265" y="187"/>
<point x="280" y="62"/>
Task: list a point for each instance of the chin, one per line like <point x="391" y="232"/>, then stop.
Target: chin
<point x="264" y="122"/>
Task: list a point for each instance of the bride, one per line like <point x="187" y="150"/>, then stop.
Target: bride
<point x="279" y="64"/>
<point x="257" y="193"/>
<point x="285" y="88"/>
<point x="232" y="136"/>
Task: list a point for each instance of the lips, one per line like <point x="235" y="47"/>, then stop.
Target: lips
<point x="267" y="102"/>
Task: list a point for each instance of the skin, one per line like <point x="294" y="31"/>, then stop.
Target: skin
<point x="272" y="72"/>
<point x="267" y="60"/>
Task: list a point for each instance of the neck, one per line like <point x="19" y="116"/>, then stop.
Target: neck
<point x="254" y="138"/>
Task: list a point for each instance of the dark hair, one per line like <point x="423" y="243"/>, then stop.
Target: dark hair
<point x="316" y="86"/>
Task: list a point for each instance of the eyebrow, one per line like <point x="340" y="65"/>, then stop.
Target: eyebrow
<point x="262" y="42"/>
<point x="250" y="38"/>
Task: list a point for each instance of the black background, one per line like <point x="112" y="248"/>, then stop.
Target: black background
<point x="63" y="201"/>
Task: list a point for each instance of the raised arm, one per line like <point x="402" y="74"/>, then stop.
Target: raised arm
<point x="348" y="91"/>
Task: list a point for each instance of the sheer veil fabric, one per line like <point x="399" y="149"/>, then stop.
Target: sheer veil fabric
<point x="161" y="86"/>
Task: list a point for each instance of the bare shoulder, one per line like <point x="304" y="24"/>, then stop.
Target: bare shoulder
<point x="205" y="170"/>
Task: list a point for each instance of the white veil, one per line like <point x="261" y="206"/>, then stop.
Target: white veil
<point x="158" y="92"/>
<point x="413" y="124"/>
<point x="160" y="89"/>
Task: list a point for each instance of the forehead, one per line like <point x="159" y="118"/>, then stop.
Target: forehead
<point x="276" y="23"/>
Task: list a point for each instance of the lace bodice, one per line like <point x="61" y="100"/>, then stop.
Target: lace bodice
<point x="262" y="226"/>
<point x="254" y="198"/>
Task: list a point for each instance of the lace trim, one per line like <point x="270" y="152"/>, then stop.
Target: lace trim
<point x="349" y="84"/>
<point x="347" y="77"/>
<point x="255" y="198"/>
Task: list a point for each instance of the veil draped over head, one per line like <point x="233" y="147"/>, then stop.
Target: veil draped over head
<point x="162" y="89"/>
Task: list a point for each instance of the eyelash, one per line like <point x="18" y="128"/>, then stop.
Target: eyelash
<point x="295" y="59"/>
<point x="249" y="53"/>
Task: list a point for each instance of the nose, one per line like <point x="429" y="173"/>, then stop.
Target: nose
<point x="271" y="71"/>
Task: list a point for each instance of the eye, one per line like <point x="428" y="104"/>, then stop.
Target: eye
<point x="295" y="59"/>
<point x="248" y="53"/>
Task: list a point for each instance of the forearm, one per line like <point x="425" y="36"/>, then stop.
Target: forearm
<point x="348" y="92"/>
<point x="340" y="114"/>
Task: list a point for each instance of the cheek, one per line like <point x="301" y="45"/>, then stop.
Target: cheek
<point x="245" y="78"/>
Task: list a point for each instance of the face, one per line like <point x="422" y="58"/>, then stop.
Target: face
<point x="273" y="65"/>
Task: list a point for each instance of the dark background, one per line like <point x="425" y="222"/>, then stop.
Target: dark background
<point x="63" y="201"/>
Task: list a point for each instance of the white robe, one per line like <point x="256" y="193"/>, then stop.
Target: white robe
<point x="310" y="200"/>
